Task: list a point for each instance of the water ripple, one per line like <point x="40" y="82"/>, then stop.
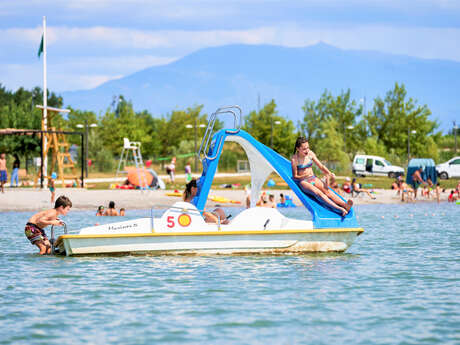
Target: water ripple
<point x="398" y="284"/>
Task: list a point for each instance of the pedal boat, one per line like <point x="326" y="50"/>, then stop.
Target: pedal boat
<point x="181" y="230"/>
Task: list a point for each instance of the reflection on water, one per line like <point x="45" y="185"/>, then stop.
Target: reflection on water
<point x="398" y="283"/>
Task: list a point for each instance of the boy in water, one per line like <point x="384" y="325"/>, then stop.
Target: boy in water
<point x="34" y="228"/>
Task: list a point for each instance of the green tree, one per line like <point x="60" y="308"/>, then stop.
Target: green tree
<point x="172" y="129"/>
<point x="122" y="123"/>
<point x="329" y="148"/>
<point x="18" y="111"/>
<point x="267" y="126"/>
<point x="393" y="119"/>
<point x="343" y="110"/>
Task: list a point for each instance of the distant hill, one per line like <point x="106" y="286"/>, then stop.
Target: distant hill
<point x="237" y="74"/>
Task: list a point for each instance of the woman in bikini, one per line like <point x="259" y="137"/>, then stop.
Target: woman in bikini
<point x="302" y="172"/>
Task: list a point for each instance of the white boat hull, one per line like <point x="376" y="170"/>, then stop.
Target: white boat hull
<point x="182" y="230"/>
<point x="271" y="242"/>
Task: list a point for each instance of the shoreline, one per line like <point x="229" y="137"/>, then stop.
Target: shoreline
<point x="26" y="199"/>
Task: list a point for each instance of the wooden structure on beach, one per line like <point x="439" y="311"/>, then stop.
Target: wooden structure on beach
<point x="59" y="149"/>
<point x="56" y="143"/>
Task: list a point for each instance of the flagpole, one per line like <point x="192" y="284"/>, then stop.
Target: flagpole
<point x="45" y="100"/>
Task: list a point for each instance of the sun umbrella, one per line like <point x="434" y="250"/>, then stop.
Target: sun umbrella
<point x="139" y="177"/>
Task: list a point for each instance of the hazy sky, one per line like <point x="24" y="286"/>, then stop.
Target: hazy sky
<point x="92" y="41"/>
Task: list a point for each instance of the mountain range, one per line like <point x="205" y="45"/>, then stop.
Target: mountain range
<point x="252" y="75"/>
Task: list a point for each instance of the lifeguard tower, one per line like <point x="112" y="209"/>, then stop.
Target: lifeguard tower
<point x="55" y="141"/>
<point x="131" y="153"/>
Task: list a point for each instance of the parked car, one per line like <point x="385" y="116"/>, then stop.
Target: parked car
<point x="364" y="165"/>
<point x="449" y="169"/>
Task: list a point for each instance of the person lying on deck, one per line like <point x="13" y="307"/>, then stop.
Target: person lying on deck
<point x="209" y="217"/>
<point x="302" y="172"/>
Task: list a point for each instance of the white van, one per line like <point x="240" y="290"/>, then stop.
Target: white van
<point x="364" y="165"/>
<point x="449" y="169"/>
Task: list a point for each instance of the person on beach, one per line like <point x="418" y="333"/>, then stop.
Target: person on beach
<point x="406" y="192"/>
<point x="437" y="192"/>
<point x="15" y="172"/>
<point x="417" y="180"/>
<point x="3" y="171"/>
<point x="247" y="193"/>
<point x="282" y="199"/>
<point x="262" y="200"/>
<point x="452" y="197"/>
<point x="34" y="229"/>
<point x="171" y="169"/>
<point x="188" y="172"/>
<point x="111" y="211"/>
<point x="426" y="192"/>
<point x="271" y="201"/>
<point x="396" y="185"/>
<point x="190" y="191"/>
<point x="347" y="185"/>
<point x="334" y="185"/>
<point x="100" y="211"/>
<point x="52" y="187"/>
<point x="302" y="172"/>
<point x="122" y="212"/>
<point x="357" y="188"/>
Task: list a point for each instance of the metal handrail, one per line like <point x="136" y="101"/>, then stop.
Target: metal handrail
<point x="210" y="127"/>
<point x="52" y="239"/>
<point x="217" y="151"/>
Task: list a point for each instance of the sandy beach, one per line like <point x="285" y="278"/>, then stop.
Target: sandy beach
<point x="26" y="199"/>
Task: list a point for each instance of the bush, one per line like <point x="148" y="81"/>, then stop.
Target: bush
<point x="104" y="161"/>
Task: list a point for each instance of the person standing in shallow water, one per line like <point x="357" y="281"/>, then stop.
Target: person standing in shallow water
<point x="302" y="172"/>
<point x="111" y="211"/>
<point x="35" y="225"/>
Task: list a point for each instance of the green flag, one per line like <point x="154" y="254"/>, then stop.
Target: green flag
<point x="40" y="50"/>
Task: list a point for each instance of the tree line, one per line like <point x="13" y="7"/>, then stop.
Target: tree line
<point x="337" y="126"/>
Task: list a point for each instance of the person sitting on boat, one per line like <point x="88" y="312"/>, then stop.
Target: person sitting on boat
<point x="302" y="172"/>
<point x="35" y="225"/>
<point x="209" y="217"/>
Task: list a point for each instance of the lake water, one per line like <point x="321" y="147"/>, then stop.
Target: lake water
<point x="397" y="284"/>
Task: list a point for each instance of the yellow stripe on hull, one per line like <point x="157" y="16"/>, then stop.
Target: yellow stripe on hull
<point x="214" y="233"/>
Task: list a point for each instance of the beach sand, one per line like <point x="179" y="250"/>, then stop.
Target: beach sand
<point x="26" y="199"/>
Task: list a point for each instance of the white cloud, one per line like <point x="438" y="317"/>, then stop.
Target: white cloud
<point x="85" y="57"/>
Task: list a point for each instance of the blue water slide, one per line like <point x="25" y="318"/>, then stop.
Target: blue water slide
<point x="323" y="215"/>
